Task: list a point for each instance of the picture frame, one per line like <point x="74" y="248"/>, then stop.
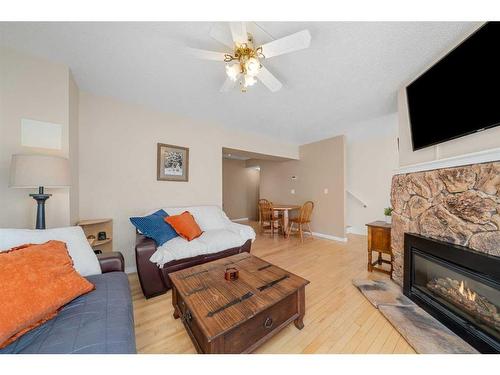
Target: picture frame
<point x="172" y="163"/>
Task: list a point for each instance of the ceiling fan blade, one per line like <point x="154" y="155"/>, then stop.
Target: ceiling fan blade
<point x="259" y="33"/>
<point x="269" y="80"/>
<point x="205" y="55"/>
<point x="290" y="43"/>
<point x="220" y="34"/>
<point x="239" y="32"/>
<point x="228" y="85"/>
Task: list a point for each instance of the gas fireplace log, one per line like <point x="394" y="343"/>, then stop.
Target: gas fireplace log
<point x="475" y="305"/>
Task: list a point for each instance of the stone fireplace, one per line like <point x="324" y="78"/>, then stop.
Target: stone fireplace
<point x="459" y="205"/>
<point x="445" y="239"/>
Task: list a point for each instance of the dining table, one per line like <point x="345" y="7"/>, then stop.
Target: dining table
<point x="285" y="209"/>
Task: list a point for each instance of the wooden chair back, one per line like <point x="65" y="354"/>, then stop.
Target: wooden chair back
<point x="265" y="210"/>
<point x="306" y="212"/>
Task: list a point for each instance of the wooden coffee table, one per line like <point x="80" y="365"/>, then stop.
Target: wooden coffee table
<point x="237" y="316"/>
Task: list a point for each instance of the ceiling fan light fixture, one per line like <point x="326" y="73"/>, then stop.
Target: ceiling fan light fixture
<point x="243" y="62"/>
<point x="252" y="66"/>
<point x="233" y="71"/>
<point x="249" y="80"/>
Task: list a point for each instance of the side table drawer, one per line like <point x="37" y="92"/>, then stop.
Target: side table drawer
<point x="380" y="239"/>
<point x="245" y="335"/>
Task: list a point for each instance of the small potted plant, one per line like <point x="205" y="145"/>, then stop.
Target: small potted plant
<point x="388" y="215"/>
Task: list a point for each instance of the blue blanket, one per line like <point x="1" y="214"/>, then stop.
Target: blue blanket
<point x="101" y="321"/>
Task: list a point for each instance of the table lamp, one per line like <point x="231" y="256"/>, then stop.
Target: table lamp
<point x="39" y="171"/>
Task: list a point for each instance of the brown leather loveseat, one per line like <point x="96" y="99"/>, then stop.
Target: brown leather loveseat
<point x="154" y="280"/>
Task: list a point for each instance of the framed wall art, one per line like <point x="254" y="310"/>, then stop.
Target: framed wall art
<point x="172" y="163"/>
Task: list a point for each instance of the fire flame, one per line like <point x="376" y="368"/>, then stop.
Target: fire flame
<point x="469" y="294"/>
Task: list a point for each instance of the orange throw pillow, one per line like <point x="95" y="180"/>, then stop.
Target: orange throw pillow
<point x="35" y="282"/>
<point x="184" y="225"/>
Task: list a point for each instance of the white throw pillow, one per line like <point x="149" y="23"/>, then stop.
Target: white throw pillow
<point x="84" y="258"/>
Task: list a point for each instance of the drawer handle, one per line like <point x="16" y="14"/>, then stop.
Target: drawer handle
<point x="187" y="316"/>
<point x="268" y="323"/>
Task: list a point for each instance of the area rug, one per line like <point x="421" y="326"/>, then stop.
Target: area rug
<point x="381" y="292"/>
<point x="423" y="332"/>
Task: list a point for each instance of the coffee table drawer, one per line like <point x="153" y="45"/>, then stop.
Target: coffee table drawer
<point x="267" y="322"/>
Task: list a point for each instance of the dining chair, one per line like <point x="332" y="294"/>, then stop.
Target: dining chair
<point x="267" y="218"/>
<point x="263" y="202"/>
<point x="302" y="220"/>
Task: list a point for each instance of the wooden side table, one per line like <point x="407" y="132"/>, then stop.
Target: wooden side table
<point x="379" y="240"/>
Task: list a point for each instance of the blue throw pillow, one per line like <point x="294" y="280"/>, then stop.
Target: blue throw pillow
<point x="155" y="227"/>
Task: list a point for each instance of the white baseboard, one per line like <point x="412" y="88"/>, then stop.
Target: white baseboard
<point x="329" y="237"/>
<point x="241" y="219"/>
<point x="132" y="269"/>
<point x="354" y="230"/>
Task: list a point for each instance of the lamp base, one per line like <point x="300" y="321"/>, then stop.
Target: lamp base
<point x="40" y="210"/>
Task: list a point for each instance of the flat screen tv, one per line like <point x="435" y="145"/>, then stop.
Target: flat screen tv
<point x="460" y="94"/>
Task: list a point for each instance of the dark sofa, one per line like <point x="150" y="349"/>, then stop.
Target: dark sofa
<point x="155" y="281"/>
<point x="99" y="322"/>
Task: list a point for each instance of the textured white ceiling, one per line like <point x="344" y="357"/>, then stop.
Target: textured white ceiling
<point x="350" y="73"/>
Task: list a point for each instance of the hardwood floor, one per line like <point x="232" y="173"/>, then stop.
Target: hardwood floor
<point x="338" y="318"/>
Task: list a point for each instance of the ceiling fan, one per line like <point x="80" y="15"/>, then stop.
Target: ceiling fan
<point x="244" y="62"/>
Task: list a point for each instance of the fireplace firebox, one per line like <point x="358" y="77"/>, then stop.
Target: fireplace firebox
<point x="458" y="286"/>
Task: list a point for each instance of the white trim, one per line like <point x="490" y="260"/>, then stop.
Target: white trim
<point x="329" y="237"/>
<point x="454" y="161"/>
<point x="131" y="269"/>
<point x="356" y="198"/>
<point x="354" y="230"/>
<point x="241" y="219"/>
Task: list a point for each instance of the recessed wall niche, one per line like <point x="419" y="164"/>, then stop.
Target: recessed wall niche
<point x="41" y="134"/>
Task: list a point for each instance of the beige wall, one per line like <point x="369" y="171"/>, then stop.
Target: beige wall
<point x="35" y="89"/>
<point x="321" y="166"/>
<point x="118" y="162"/>
<point x="371" y="158"/>
<point x="240" y="189"/>
<point x="485" y="140"/>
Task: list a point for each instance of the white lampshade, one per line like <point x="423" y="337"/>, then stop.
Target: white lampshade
<point x="32" y="171"/>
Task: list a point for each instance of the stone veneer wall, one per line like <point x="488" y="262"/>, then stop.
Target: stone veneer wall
<point x="460" y="205"/>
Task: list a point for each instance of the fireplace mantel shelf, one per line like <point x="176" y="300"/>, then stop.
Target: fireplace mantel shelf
<point x="455" y="161"/>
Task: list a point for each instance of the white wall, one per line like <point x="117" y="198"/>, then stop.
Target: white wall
<point x="34" y="89"/>
<point x="118" y="162"/>
<point x="372" y="157"/>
